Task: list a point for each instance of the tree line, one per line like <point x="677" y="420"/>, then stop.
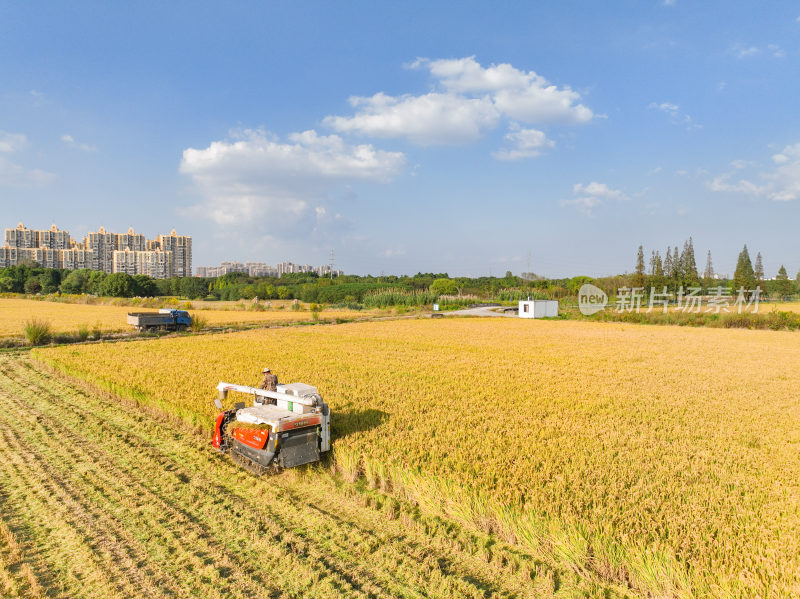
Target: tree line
<point x="679" y="269"/>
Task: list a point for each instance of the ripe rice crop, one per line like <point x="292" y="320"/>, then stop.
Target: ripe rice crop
<point x="68" y="317"/>
<point x="663" y="459"/>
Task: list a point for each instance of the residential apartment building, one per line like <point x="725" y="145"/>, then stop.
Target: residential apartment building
<point x="53" y="238"/>
<point x="180" y="247"/>
<point x="11" y="256"/>
<point x="131" y="252"/>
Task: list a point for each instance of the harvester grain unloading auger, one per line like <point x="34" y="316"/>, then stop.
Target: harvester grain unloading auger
<point x="282" y="429"/>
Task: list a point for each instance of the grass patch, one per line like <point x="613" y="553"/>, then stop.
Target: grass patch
<point x="38" y="332"/>
<point x="198" y="322"/>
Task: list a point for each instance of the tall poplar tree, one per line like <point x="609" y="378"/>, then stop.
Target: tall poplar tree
<point x="639" y="279"/>
<point x="758" y="270"/>
<point x="708" y="273"/>
<point x="744" y="276"/>
<point x="689" y="274"/>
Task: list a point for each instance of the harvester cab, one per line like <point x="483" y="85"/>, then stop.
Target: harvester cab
<point x="283" y="428"/>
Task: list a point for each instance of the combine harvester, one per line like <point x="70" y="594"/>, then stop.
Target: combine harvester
<point x="286" y="428"/>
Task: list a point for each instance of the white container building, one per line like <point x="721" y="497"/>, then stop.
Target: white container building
<point x="538" y="308"/>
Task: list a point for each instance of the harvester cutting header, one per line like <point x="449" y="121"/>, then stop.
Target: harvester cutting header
<point x="285" y="427"/>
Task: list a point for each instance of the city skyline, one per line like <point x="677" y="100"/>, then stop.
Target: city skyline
<point x="569" y="133"/>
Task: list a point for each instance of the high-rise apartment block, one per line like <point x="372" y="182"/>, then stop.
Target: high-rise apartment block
<point x="163" y="257"/>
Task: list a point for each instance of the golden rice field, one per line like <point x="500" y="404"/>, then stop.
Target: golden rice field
<point x="780" y="307"/>
<point x="67" y="318"/>
<point x="662" y="459"/>
<point x="101" y="501"/>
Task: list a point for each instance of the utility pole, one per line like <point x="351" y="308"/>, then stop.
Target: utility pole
<point x="332" y="262"/>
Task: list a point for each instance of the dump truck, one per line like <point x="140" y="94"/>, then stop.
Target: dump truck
<point x="282" y="429"/>
<point x="164" y="320"/>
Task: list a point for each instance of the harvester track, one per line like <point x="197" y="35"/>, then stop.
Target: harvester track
<point x="101" y="500"/>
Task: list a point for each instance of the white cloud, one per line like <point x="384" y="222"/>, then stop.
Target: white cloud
<point x="394" y="252"/>
<point x="741" y="51"/>
<point x="470" y="101"/>
<point x="70" y="141"/>
<point x="525" y="143"/>
<point x="430" y="119"/>
<point x="591" y="196"/>
<point x="780" y="158"/>
<point x="255" y="176"/>
<point x="12" y="142"/>
<point x="12" y="174"/>
<point x="784" y="182"/>
<point x="723" y="183"/>
<point x="781" y="183"/>
<point x="740" y="164"/>
<point x="675" y="114"/>
<point x="776" y="51"/>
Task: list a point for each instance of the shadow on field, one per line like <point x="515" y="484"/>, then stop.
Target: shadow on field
<point x="356" y="421"/>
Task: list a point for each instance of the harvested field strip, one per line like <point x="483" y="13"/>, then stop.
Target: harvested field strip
<point x="16" y="576"/>
<point x="110" y="503"/>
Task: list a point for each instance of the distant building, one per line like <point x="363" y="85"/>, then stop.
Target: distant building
<point x="52" y="238"/>
<point x="157" y="264"/>
<point x="261" y="269"/>
<point x="181" y="248"/>
<point x="75" y="258"/>
<point x="131" y="252"/>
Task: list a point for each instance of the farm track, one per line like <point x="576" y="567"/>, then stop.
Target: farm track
<point x="99" y="500"/>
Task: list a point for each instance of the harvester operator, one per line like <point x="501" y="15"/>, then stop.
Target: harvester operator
<point x="270" y="381"/>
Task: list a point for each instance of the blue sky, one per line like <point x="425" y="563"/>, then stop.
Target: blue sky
<point x="459" y="137"/>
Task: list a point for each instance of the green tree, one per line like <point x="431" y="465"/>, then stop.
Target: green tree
<point x="50" y="280"/>
<point x="639" y="279"/>
<point x="758" y="270"/>
<point x="744" y="276"/>
<point x="33" y="285"/>
<point x="783" y="286"/>
<point x="75" y="282"/>
<point x="689" y="276"/>
<point x="8" y="284"/>
<point x="656" y="271"/>
<point x="95" y="281"/>
<point x="708" y="273"/>
<point x="119" y="284"/>
<point x="668" y="266"/>
<point x="145" y="286"/>
<point x="193" y="287"/>
<point x="444" y="287"/>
